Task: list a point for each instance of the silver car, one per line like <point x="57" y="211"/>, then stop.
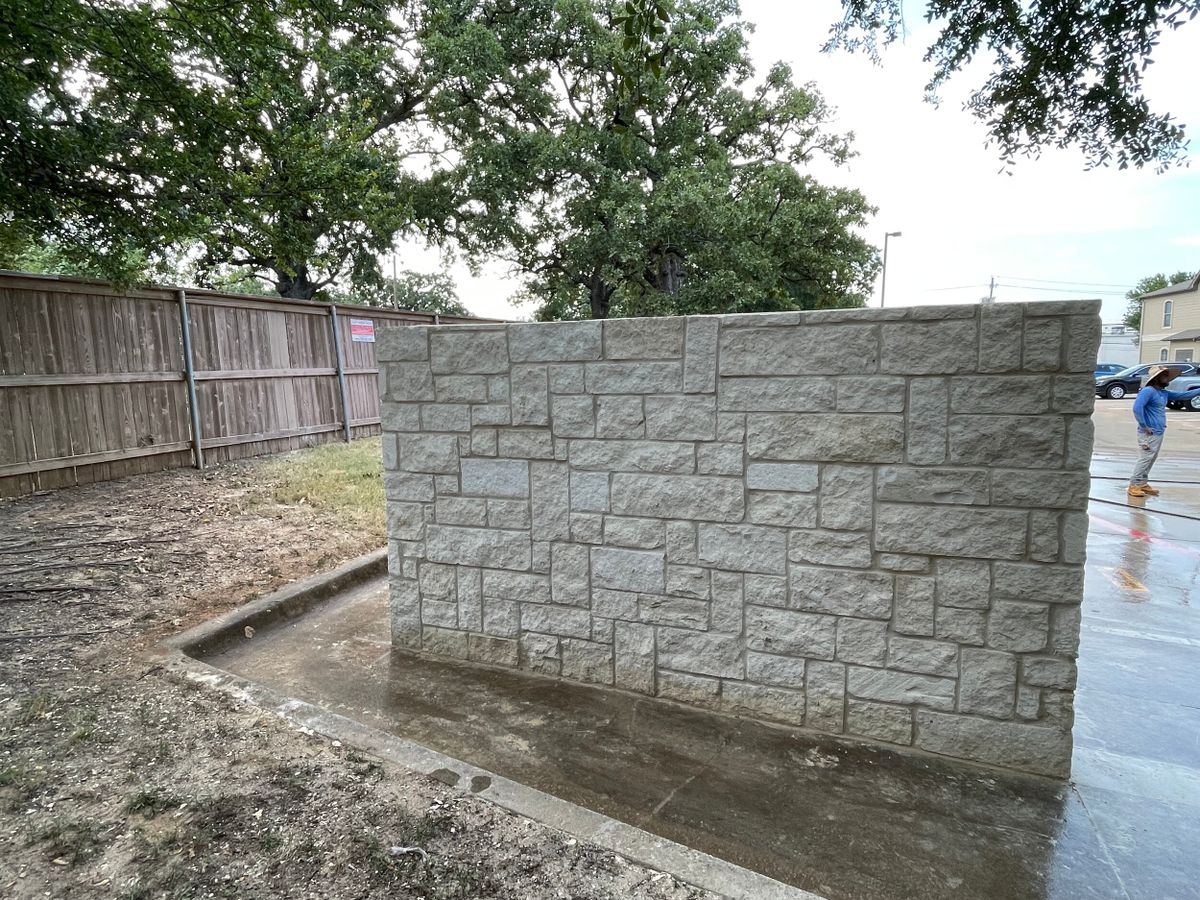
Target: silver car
<point x="1185" y="383"/>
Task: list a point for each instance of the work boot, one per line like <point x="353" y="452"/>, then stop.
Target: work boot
<point x="1150" y="489"/>
<point x="1138" y="490"/>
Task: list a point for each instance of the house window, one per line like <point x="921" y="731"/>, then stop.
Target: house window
<point x="1167" y="312"/>
<point x="1162" y="354"/>
<point x="1183" y="356"/>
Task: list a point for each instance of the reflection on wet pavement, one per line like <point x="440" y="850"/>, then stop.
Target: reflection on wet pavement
<point x="842" y="821"/>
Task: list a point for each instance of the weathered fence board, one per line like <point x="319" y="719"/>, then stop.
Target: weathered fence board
<point x="93" y="383"/>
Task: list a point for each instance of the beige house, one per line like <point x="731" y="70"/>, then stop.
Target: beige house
<point x="1171" y="323"/>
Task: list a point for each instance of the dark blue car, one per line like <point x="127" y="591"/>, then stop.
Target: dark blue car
<point x="1103" y="369"/>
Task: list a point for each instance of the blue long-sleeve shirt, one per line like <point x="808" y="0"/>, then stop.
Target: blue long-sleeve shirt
<point x="1150" y="407"/>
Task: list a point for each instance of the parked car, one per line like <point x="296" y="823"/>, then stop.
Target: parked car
<point x="1129" y="381"/>
<point x="1186" y="383"/>
<point x="1103" y="369"/>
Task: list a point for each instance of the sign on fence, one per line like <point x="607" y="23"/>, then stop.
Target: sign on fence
<point x="362" y="331"/>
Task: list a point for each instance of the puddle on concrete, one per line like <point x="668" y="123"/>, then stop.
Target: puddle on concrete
<point x="842" y="821"/>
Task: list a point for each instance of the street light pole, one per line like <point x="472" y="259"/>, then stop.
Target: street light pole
<point x="883" y="284"/>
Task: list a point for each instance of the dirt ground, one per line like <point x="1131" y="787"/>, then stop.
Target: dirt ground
<point x="116" y="781"/>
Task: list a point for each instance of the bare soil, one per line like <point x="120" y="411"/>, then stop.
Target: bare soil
<point x="116" y="781"/>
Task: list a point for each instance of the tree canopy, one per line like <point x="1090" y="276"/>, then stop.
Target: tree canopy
<point x="692" y="198"/>
<point x="1155" y="282"/>
<point x="1063" y="73"/>
<point x="424" y="291"/>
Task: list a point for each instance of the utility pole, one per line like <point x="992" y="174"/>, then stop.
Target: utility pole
<point x="883" y="283"/>
<point x="395" y="296"/>
<point x="991" y="297"/>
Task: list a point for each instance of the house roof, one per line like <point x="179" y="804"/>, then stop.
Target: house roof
<point x="1191" y="334"/>
<point x="1182" y="287"/>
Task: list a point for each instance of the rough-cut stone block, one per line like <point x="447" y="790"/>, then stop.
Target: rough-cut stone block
<point x="633" y="456"/>
<point x="781" y="476"/>
<point x="589" y="491"/>
<point x="964" y="583"/>
<point x="861" y="641"/>
<point x="1032" y="442"/>
<point x="1040" y="489"/>
<point x="929" y="348"/>
<point x="573" y="416"/>
<point x="399" y="417"/>
<point x="569" y="578"/>
<point x="444" y="642"/>
<point x="550" y="501"/>
<point x="554" y="341"/>
<point x="1032" y="582"/>
<point x="428" y="452"/>
<point x="788" y="633"/>
<point x="1047" y="671"/>
<point x="1083" y="344"/>
<point x="910" y="484"/>
<point x="1000" y="330"/>
<point x="402" y="344"/>
<point x="846" y="497"/>
<point x="620" y="417"/>
<point x="516" y="586"/>
<point x="1043" y="345"/>
<point x="926" y="421"/>
<point x="406" y="521"/>
<point x="700" y="497"/>
<point x="776" y="394"/>
<point x="564" y="621"/>
<point x="404" y="610"/>
<point x="1025" y="394"/>
<point x="694" y="690"/>
<point x="701" y="653"/>
<point x="841" y="592"/>
<point x="988" y="684"/>
<point x="719" y="459"/>
<point x="837" y="437"/>
<point x="771" y="703"/>
<point x="689" y="581"/>
<point x="501" y="618"/>
<point x="1019" y="627"/>
<point x="781" y="671"/>
<point x="565" y="378"/>
<point x="963" y="626"/>
<point x="1033" y="748"/>
<point x="587" y="661"/>
<point x="728" y="602"/>
<point x="529" y="396"/>
<point x="783" y="509"/>
<point x="486" y="547"/>
<point x="461" y="511"/>
<point x="902" y="562"/>
<point x="461" y="388"/>
<point x="830" y="548"/>
<point x="540" y="653"/>
<point x="743" y="548"/>
<point x="871" y="394"/>
<point x="508" y="514"/>
<point x="495" y="651"/>
<point x="454" y="352"/>
<point x="642" y="534"/>
<point x="634" y="378"/>
<point x="406" y="382"/>
<point x="880" y="721"/>
<point x="950" y="531"/>
<point x="681" y="543"/>
<point x="766" y="590"/>
<point x="1064" y="630"/>
<point x="901" y="687"/>
<point x="927" y="657"/>
<point x="495" y="477"/>
<point x="633" y="657"/>
<point x="700" y="355"/>
<point x="643" y="338"/>
<point x="445" y="417"/>
<point x="628" y="570"/>
<point x="825" y="690"/>
<point x="684" y="418"/>
<point x="680" y="612"/>
<point x="799" y="350"/>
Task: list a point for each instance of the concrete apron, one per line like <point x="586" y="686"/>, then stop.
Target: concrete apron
<point x="842" y="820"/>
<point x="180" y="657"/>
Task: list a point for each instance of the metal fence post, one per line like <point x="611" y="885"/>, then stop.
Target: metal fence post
<point x="341" y="370"/>
<point x="189" y="373"/>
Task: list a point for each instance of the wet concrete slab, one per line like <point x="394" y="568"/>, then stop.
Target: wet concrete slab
<point x="844" y="821"/>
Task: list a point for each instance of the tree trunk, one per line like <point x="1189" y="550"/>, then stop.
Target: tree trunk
<point x="295" y="285"/>
<point x="668" y="277"/>
<point x="599" y="294"/>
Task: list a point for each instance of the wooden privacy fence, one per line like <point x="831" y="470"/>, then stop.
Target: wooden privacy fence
<point x="98" y="382"/>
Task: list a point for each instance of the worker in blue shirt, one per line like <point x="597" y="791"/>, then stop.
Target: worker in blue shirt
<point x="1150" y="410"/>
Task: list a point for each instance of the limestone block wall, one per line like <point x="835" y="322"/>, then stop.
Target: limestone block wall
<point x="868" y="522"/>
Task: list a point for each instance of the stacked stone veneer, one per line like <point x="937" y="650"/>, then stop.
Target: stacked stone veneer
<point x="865" y="522"/>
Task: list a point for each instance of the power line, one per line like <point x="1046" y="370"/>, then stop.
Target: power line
<point x="1052" y="281"/>
<point x="1029" y="287"/>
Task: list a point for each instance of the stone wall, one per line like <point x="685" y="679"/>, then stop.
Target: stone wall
<point x="868" y="523"/>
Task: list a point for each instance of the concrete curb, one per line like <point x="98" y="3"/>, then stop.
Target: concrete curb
<point x="178" y="656"/>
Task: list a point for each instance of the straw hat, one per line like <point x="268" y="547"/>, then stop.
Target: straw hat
<point x="1155" y="371"/>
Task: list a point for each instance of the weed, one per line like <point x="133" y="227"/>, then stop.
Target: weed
<point x="151" y="801"/>
<point x="346" y="479"/>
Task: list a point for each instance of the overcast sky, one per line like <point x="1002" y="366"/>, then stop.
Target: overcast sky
<point x="1051" y="230"/>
